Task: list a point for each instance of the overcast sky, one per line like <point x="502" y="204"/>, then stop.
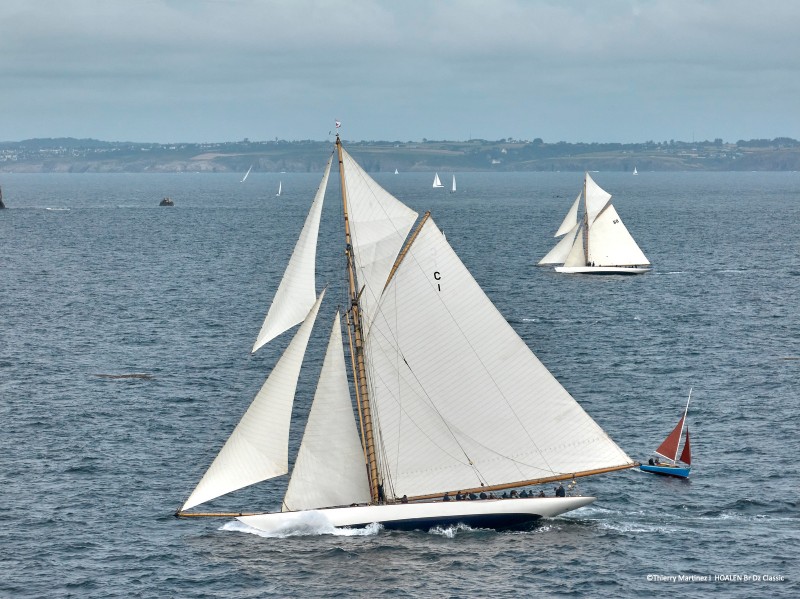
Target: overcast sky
<point x="221" y="70"/>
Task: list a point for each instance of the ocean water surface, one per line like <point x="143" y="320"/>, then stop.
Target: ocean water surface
<point x="96" y="279"/>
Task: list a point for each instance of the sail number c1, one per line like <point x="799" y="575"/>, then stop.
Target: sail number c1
<point x="438" y="276"/>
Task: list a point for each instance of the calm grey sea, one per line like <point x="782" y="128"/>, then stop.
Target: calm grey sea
<point x="95" y="278"/>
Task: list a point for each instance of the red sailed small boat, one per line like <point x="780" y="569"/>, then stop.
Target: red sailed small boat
<point x="677" y="466"/>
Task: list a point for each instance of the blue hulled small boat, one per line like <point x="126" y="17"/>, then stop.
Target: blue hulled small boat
<point x="677" y="467"/>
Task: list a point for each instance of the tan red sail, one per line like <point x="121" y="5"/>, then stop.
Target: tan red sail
<point x="686" y="454"/>
<point x="669" y="448"/>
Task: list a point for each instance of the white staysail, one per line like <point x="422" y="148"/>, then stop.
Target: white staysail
<point x="576" y="255"/>
<point x="570" y="220"/>
<point x="246" y="174"/>
<point x="330" y="467"/>
<point x="379" y="224"/>
<point x="460" y="399"/>
<point x="258" y="447"/>
<point x="596" y="199"/>
<point x="453" y="190"/>
<point x="558" y="255"/>
<point x="610" y="243"/>
<point x="297" y="290"/>
<point x="436" y="181"/>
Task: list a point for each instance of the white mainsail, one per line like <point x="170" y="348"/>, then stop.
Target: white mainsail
<point x="460" y="399"/>
<point x="379" y="224"/>
<point x="436" y="182"/>
<point x="280" y="186"/>
<point x="570" y="220"/>
<point x="558" y="255"/>
<point x="258" y="447"/>
<point x="297" y="290"/>
<point x="610" y="243"/>
<point x="453" y="190"/>
<point x="330" y="467"/>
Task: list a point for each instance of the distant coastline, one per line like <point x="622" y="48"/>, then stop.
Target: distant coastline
<point x="69" y="155"/>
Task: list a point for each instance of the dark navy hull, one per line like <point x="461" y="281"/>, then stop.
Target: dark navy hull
<point x="494" y="521"/>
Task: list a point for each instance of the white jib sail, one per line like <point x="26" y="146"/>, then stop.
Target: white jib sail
<point x="258" y="447"/>
<point x="570" y="220"/>
<point x="610" y="243"/>
<point x="576" y="256"/>
<point x="559" y="253"/>
<point x="458" y="397"/>
<point x="330" y="468"/>
<point x="596" y="199"/>
<point x="379" y="224"/>
<point x="297" y="290"/>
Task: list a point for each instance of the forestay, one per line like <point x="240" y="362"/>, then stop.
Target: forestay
<point x="570" y="220"/>
<point x="330" y="467"/>
<point x="576" y="256"/>
<point x="559" y="253"/>
<point x="297" y="290"/>
<point x="258" y="447"/>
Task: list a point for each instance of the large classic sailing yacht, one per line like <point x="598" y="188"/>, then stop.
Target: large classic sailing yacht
<point x="598" y="244"/>
<point x="449" y="399"/>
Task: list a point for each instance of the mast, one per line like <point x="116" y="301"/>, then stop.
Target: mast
<point x="683" y="423"/>
<point x="585" y="225"/>
<point x="359" y="373"/>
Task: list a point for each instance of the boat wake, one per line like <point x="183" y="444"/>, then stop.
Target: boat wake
<point x="309" y="525"/>
<point x="449" y="532"/>
<point x="130" y="375"/>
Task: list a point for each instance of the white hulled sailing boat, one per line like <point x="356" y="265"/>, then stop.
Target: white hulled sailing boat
<point x="669" y="450"/>
<point x="449" y="398"/>
<point x="436" y="181"/>
<point x="453" y="189"/>
<point x="246" y="174"/>
<point x="280" y="186"/>
<point x="599" y="243"/>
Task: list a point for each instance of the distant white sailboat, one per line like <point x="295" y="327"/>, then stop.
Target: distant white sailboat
<point x="436" y="182"/>
<point x="450" y="400"/>
<point x="454" y="185"/>
<point x="600" y="244"/>
<point x="247" y="173"/>
<point x="395" y="171"/>
<point x="279" y="188"/>
<point x="635" y="172"/>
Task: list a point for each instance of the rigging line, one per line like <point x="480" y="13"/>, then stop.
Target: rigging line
<point x="410" y="254"/>
<point x="358" y="174"/>
<point x="373" y="375"/>
<point x="450" y="428"/>
<point x="432" y="405"/>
